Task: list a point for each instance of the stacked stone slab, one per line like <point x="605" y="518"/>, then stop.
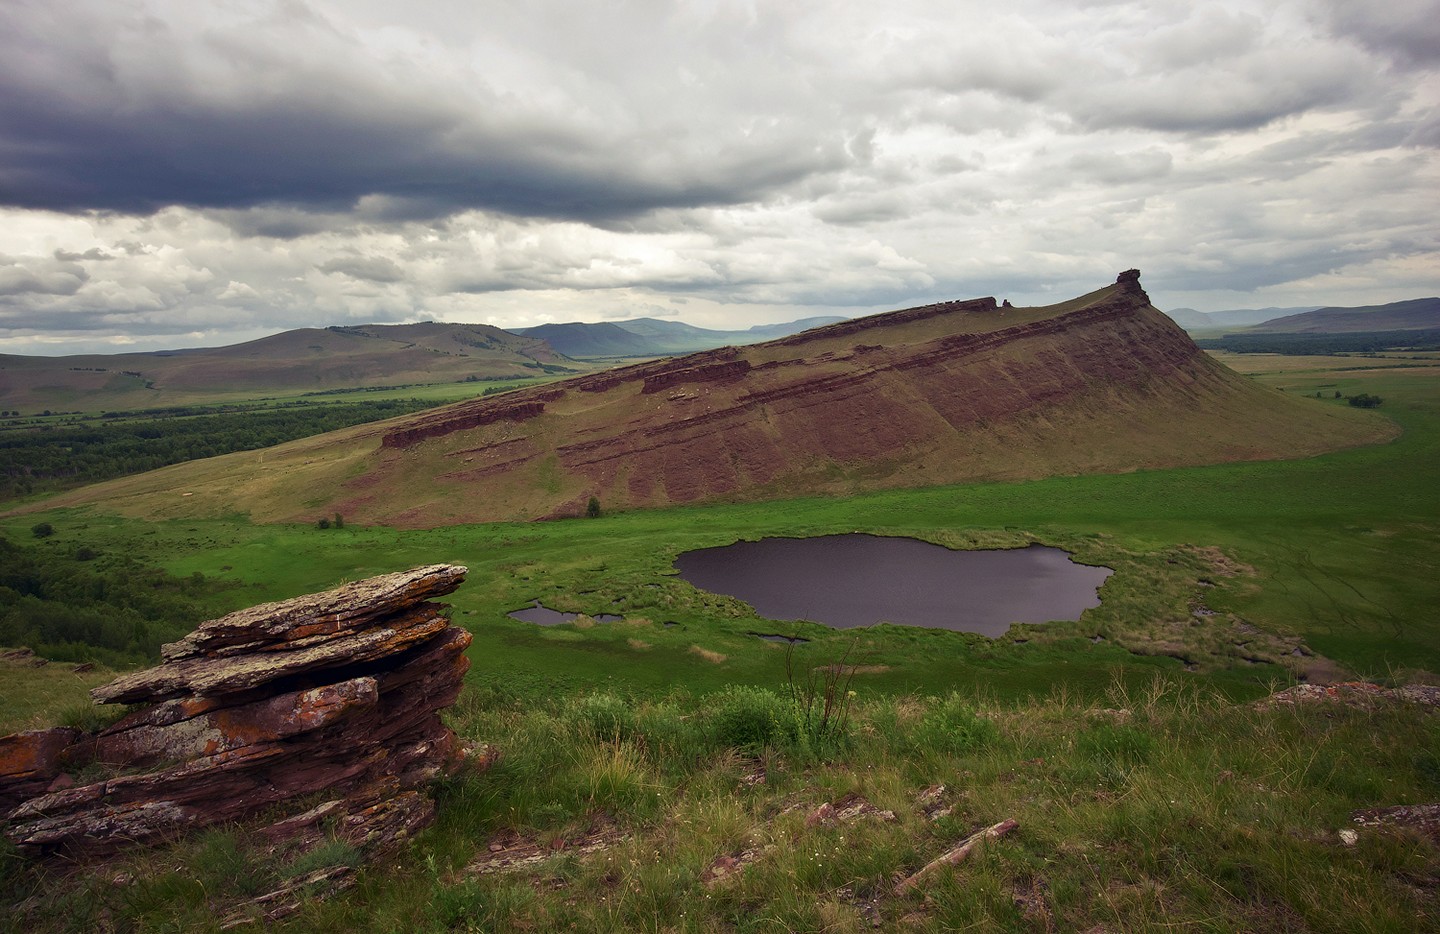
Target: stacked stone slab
<point x="334" y="695"/>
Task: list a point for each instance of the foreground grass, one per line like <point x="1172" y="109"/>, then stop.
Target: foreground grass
<point x="1154" y="809"/>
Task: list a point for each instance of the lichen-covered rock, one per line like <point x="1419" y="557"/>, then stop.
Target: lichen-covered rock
<point x="338" y="693"/>
<point x="30" y="761"/>
<point x="142" y="743"/>
<point x="294" y="623"/>
<point x="206" y="676"/>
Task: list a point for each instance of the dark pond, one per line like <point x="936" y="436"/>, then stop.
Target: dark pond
<point x="544" y="616"/>
<point x="847" y="581"/>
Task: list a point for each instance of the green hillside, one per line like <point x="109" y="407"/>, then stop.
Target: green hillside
<point x="1415" y="315"/>
<point x="290" y="363"/>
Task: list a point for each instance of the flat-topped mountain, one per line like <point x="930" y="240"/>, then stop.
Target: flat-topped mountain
<point x="951" y="392"/>
<point x="303" y="360"/>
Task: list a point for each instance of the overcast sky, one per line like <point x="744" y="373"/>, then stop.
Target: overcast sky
<point x="196" y="173"/>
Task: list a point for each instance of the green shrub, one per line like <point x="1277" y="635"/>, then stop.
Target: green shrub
<point x="603" y="717"/>
<point x="222" y="863"/>
<point x="330" y="853"/>
<point x="952" y="726"/>
<point x="748" y="719"/>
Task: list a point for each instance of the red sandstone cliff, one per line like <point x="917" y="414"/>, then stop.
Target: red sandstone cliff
<point x="942" y="393"/>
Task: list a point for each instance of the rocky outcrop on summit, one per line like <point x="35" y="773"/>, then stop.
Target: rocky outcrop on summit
<point x="337" y="693"/>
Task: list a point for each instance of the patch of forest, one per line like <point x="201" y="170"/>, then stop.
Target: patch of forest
<point x="74" y="603"/>
<point x="1324" y="344"/>
<point x="58" y="455"/>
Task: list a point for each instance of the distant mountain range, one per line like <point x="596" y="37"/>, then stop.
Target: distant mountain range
<point x="654" y="337"/>
<point x="1192" y="320"/>
<point x="344" y="358"/>
<point x="303" y="360"/>
<point x="1414" y="315"/>
<point x="1420" y="314"/>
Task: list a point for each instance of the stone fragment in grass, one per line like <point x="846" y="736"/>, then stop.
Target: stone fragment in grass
<point x="1424" y="818"/>
<point x="957" y="854"/>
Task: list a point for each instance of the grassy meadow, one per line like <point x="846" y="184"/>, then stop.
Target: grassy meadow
<point x="1151" y="793"/>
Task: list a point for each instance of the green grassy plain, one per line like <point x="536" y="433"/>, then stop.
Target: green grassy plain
<point x="1190" y="809"/>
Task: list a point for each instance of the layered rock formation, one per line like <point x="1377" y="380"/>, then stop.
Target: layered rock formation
<point x="962" y="390"/>
<point x="945" y="393"/>
<point x="335" y="694"/>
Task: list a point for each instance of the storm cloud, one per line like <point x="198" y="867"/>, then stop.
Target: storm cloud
<point x="176" y="173"/>
<point x="133" y="107"/>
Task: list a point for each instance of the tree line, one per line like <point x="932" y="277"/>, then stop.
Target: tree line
<point x="75" y="604"/>
<point x="42" y="458"/>
<point x="1310" y="344"/>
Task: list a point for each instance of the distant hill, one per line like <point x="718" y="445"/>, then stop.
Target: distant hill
<point x="1192" y="320"/>
<point x="946" y="393"/>
<point x="1418" y="314"/>
<point x="303" y="360"/>
<point x="575" y="339"/>
<point x="656" y="337"/>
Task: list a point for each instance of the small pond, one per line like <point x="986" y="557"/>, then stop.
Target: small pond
<point x="846" y="581"/>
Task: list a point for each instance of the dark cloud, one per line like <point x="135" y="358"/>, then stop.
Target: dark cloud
<point x="220" y="118"/>
<point x="29" y="319"/>
<point x="1406" y="31"/>
<point x="198" y="169"/>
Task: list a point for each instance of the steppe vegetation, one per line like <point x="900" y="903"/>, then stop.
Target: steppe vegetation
<point x="53" y="456"/>
<point x="57" y="451"/>
<point x="1151" y="790"/>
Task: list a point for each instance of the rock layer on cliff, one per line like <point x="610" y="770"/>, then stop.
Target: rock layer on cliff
<point x="337" y="694"/>
<point x="944" y="393"/>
